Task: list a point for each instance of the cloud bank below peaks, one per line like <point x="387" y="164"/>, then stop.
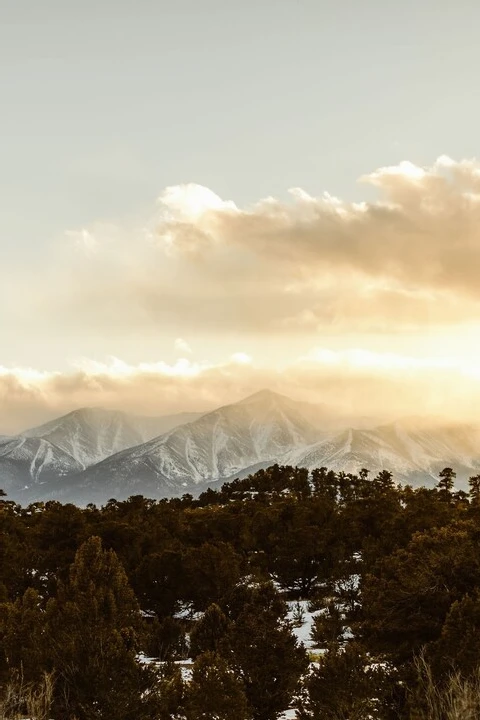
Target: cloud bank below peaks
<point x="355" y="383"/>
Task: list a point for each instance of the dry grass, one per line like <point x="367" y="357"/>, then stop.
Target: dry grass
<point x="33" y="700"/>
<point x="459" y="699"/>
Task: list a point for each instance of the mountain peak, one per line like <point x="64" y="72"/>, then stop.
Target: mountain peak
<point x="94" y="412"/>
<point x="265" y="395"/>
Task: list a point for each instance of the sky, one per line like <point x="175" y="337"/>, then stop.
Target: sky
<point x="201" y="199"/>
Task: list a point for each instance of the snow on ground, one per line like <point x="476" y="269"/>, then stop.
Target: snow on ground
<point x="302" y="621"/>
<point x="185" y="666"/>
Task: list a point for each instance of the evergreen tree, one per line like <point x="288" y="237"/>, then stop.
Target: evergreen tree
<point x="344" y="686"/>
<point x="263" y="651"/>
<point x="445" y="484"/>
<point x="166" y="639"/>
<point x="302" y="547"/>
<point x="208" y="632"/>
<point x="171" y="693"/>
<point x="474" y="483"/>
<point x="160" y="580"/>
<point x="408" y="594"/>
<point x="328" y="626"/>
<point x="212" y="571"/>
<point x="457" y="648"/>
<point x="16" y="552"/>
<point x="325" y="482"/>
<point x="93" y="627"/>
<point x="215" y="691"/>
<point x="22" y="638"/>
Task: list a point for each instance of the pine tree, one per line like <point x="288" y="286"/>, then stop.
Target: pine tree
<point x="474" y="483"/>
<point x="171" y="692"/>
<point x="208" y="631"/>
<point x="457" y="648"/>
<point x="213" y="570"/>
<point x="263" y="650"/>
<point x="445" y="484"/>
<point x="407" y="596"/>
<point x="328" y="627"/>
<point x="344" y="686"/>
<point x="22" y="638"/>
<point x="93" y="626"/>
<point x="166" y="639"/>
<point x="215" y="691"/>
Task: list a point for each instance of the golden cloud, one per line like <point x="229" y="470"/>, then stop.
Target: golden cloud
<point x="201" y="266"/>
<point x="353" y="382"/>
<point x="407" y="260"/>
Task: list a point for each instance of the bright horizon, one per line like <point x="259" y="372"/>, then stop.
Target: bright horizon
<point x="188" y="217"/>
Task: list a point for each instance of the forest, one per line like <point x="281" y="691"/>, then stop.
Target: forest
<point x="186" y="608"/>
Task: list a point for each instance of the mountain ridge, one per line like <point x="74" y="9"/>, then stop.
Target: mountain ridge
<point x="91" y="434"/>
<point x="93" y="454"/>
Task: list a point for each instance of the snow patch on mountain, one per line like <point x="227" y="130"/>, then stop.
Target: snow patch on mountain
<point x="407" y="449"/>
<point x="92" y="455"/>
<point x="26" y="462"/>
<point x="91" y="434"/>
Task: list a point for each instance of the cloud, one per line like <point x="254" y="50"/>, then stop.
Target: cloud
<point x="354" y="382"/>
<point x="406" y="260"/>
<point x="423" y="233"/>
<point x="278" y="273"/>
<point x="182" y="346"/>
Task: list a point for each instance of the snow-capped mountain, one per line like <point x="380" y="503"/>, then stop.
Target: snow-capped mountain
<point x="28" y="463"/>
<point x="412" y="449"/>
<point x="91" y="434"/>
<point x="93" y="455"/>
<point x="257" y="430"/>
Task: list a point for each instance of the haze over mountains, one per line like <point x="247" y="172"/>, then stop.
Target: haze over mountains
<point x="91" y="455"/>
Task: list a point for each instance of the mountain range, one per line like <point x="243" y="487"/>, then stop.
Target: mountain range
<point x="91" y="454"/>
